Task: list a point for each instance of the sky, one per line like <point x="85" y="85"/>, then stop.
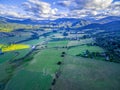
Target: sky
<point x="53" y="9"/>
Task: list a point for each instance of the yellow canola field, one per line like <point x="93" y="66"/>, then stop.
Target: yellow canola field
<point x="12" y="47"/>
<point x="5" y="30"/>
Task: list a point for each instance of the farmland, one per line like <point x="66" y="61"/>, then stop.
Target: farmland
<point x="12" y="47"/>
<point x="81" y="49"/>
<point x="47" y="57"/>
<point x="45" y="64"/>
<point x="57" y="44"/>
<point x="33" y="80"/>
<point x="81" y="42"/>
<point x="44" y="69"/>
<point x="80" y="72"/>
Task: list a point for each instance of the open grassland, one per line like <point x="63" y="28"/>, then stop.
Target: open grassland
<point x="81" y="42"/>
<point x="57" y="44"/>
<point x="21" y="53"/>
<point x="14" y="55"/>
<point x="34" y="42"/>
<point x="12" y="47"/>
<point x="7" y="56"/>
<point x="5" y="71"/>
<point x="88" y="74"/>
<point x="81" y="49"/>
<point x="58" y="35"/>
<point x="46" y="61"/>
<point x="5" y="74"/>
<point x="28" y="80"/>
<point x="37" y="74"/>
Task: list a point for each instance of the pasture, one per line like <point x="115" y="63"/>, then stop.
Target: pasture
<point x="81" y="49"/>
<point x="46" y="61"/>
<point x="80" y="42"/>
<point x="38" y="73"/>
<point x="87" y="74"/>
<point x="13" y="55"/>
<point x="57" y="43"/>
<point x="28" y="80"/>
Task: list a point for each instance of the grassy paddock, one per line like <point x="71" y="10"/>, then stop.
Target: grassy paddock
<point x="37" y="74"/>
<point x="46" y="61"/>
<point x="27" y="80"/>
<point x="88" y="74"/>
<point x="80" y="49"/>
<point x="57" y="43"/>
<point x="81" y="42"/>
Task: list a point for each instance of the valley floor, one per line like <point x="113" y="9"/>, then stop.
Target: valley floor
<point x="59" y="65"/>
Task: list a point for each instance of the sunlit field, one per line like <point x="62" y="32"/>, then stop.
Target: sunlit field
<point x="13" y="47"/>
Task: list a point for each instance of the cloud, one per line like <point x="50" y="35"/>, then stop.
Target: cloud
<point x="10" y="11"/>
<point x="98" y="4"/>
<point x="76" y="9"/>
<point x="89" y="4"/>
<point x="114" y="9"/>
<point x="39" y="9"/>
<point x="91" y="8"/>
<point x="64" y="3"/>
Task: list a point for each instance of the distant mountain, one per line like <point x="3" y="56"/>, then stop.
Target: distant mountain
<point x="61" y="20"/>
<point x="70" y="22"/>
<point x="81" y="23"/>
<point x="114" y="25"/>
<point x="92" y="26"/>
<point x="107" y="19"/>
<point x="23" y="21"/>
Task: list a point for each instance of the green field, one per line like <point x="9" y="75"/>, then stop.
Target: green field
<point x="13" y="55"/>
<point x="5" y="71"/>
<point x="22" y="53"/>
<point x="7" y="56"/>
<point x="28" y="80"/>
<point x="81" y="42"/>
<point x="88" y="74"/>
<point x="38" y="73"/>
<point x="46" y="61"/>
<point x="57" y="44"/>
<point x="34" y="42"/>
<point x="81" y="49"/>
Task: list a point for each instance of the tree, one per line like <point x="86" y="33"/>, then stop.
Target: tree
<point x="65" y="34"/>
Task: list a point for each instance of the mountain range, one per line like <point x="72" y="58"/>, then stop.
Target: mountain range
<point x="112" y="22"/>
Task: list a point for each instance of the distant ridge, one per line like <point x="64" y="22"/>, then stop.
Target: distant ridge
<point x="114" y="25"/>
<point x="108" y="19"/>
<point x="70" y="22"/>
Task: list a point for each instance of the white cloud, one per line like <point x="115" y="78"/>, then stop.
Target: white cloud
<point x="10" y="11"/>
<point x="64" y="3"/>
<point x="39" y="9"/>
<point x="98" y="4"/>
<point x="89" y="4"/>
<point x="114" y="9"/>
<point x="92" y="8"/>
